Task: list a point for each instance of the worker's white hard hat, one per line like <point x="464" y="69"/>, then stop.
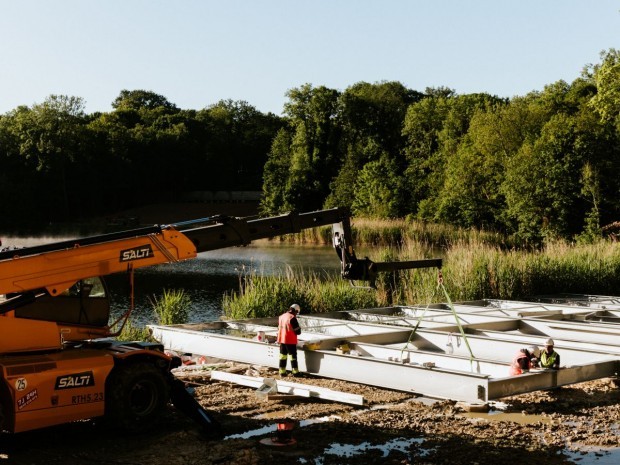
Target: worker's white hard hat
<point x="549" y="342"/>
<point x="533" y="350"/>
<point x="296" y="307"/>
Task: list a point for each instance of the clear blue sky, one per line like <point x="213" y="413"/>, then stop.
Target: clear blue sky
<point x="197" y="52"/>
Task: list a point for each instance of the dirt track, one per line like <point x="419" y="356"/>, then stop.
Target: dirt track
<point x="394" y="428"/>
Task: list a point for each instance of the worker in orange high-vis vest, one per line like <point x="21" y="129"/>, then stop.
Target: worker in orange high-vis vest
<point x="288" y="330"/>
<point x="522" y="361"/>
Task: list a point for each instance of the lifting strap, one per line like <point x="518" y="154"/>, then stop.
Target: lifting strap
<point x="124" y="318"/>
<point x="458" y="321"/>
<point x="456" y="317"/>
<point x="420" y="318"/>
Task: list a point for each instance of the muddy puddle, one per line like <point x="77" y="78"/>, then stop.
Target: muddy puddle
<point x="595" y="456"/>
<point x="585" y="456"/>
<point x="350" y="450"/>
<point x="272" y="428"/>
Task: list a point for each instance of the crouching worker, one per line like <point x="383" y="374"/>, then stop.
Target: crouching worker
<point x="288" y="329"/>
<point x="522" y="361"/>
<point x="549" y="358"/>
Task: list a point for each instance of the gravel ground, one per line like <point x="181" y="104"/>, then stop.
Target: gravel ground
<point x="572" y="424"/>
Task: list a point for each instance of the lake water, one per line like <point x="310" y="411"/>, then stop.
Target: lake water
<point x="208" y="277"/>
<point x="212" y="274"/>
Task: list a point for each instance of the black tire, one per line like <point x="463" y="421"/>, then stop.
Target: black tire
<point x="137" y="394"/>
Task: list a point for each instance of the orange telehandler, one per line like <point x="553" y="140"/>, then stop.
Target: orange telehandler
<point x="59" y="361"/>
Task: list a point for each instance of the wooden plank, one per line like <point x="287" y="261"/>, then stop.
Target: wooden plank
<point x="285" y="387"/>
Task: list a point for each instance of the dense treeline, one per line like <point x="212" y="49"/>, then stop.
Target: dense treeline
<point x="60" y="164"/>
<point x="537" y="167"/>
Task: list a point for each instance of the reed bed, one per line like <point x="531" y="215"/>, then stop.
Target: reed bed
<point x="480" y="271"/>
<point x="265" y="296"/>
<point x="396" y="232"/>
<point x="385" y="233"/>
<point x="473" y="269"/>
<point x="172" y="307"/>
<point x="477" y="265"/>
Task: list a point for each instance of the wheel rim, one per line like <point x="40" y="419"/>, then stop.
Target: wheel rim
<point x="144" y="398"/>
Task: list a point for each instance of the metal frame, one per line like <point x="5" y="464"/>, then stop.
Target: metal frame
<point x="421" y="350"/>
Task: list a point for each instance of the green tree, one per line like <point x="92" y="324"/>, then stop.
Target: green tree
<point x="606" y="76"/>
<point x="375" y="112"/>
<point x="422" y="125"/>
<point x="111" y="145"/>
<point x="542" y="182"/>
<point x="275" y="172"/>
<point x="468" y="196"/>
<point x="435" y="128"/>
<point x="591" y="190"/>
<point x="471" y="191"/>
<point x="140" y="100"/>
<point x="50" y="137"/>
<point x="371" y="116"/>
<point x="16" y="173"/>
<point x="236" y="143"/>
<point x="312" y="114"/>
<point x="377" y="188"/>
<point x="342" y="187"/>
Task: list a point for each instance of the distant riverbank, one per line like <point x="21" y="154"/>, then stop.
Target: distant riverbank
<point x="171" y="212"/>
<point x="147" y="215"/>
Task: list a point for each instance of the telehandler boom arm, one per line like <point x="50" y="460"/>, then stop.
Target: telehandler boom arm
<point x="56" y="267"/>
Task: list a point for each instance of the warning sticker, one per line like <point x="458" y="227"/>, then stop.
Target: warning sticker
<point x="27" y="399"/>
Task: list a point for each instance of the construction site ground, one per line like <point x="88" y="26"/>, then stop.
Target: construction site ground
<point x="572" y="424"/>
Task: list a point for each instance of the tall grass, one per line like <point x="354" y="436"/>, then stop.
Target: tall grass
<point x="473" y="269"/>
<point x="395" y="232"/>
<point x="134" y="333"/>
<point x="480" y="271"/>
<point x="261" y="296"/>
<point x="172" y="307"/>
<point x="266" y="296"/>
<point x="169" y="309"/>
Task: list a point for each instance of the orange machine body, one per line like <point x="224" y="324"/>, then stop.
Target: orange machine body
<point x="56" y="365"/>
